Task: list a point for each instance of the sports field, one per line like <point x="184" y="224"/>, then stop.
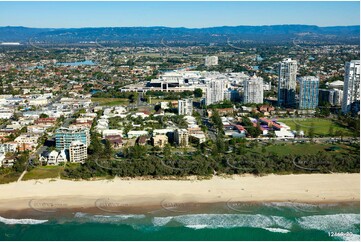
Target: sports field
<point x="321" y="125"/>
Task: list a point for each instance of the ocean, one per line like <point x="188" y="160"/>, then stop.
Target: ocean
<point x="222" y="221"/>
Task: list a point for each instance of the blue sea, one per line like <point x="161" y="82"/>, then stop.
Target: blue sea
<point x="228" y="221"/>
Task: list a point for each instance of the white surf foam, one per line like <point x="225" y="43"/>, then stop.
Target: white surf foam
<point x="198" y="226"/>
<point x="21" y="221"/>
<point x="277" y="230"/>
<point x="350" y="237"/>
<point x="161" y="221"/>
<point x="345" y="222"/>
<point x="108" y="218"/>
<point x="225" y="221"/>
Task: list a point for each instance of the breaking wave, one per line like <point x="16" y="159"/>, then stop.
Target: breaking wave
<point x="213" y="221"/>
<point x="21" y="221"/>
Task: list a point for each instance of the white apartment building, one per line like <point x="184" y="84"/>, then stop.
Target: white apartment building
<point x="287" y="72"/>
<point x="211" y="61"/>
<point x="253" y="90"/>
<point x="215" y="91"/>
<point x="27" y="138"/>
<point x="11" y="147"/>
<point x="39" y="101"/>
<point x="185" y="106"/>
<point x="77" y="152"/>
<point x="351" y="88"/>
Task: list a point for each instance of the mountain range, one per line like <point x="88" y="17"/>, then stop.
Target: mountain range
<point x="168" y="36"/>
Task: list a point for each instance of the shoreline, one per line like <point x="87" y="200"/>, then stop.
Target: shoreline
<point x="134" y="195"/>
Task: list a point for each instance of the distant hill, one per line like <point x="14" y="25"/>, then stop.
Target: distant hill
<point x="261" y="34"/>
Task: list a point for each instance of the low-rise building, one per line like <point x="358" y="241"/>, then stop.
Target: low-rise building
<point x="27" y="141"/>
<point x="159" y="140"/>
<point x="9" y="147"/>
<point x="36" y="129"/>
<point x="111" y="132"/>
<point x="115" y="140"/>
<point x="136" y="133"/>
<point x="198" y="138"/>
<point x="52" y="158"/>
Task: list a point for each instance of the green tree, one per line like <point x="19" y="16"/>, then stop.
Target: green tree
<point x="167" y="151"/>
<point x="43" y="115"/>
<point x="133" y="97"/>
<point x="108" y="150"/>
<point x="298" y="128"/>
<point x="21" y="161"/>
<point x="217" y="121"/>
<point x="198" y="92"/>
<point x="95" y="147"/>
<point x="331" y="130"/>
<point x="311" y="131"/>
<point x="254" y="132"/>
<point x="340" y="133"/>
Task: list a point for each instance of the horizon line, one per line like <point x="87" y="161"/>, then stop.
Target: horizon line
<point x="159" y="26"/>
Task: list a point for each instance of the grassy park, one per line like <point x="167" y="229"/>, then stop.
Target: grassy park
<point x="111" y="101"/>
<point x="321" y="125"/>
<point x="299" y="149"/>
<point x="44" y="172"/>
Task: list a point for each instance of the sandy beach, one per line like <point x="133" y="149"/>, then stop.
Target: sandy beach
<point x="47" y="195"/>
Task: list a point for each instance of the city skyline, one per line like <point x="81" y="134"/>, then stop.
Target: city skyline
<point x="177" y="14"/>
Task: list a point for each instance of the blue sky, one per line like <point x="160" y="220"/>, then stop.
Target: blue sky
<point x="176" y="14"/>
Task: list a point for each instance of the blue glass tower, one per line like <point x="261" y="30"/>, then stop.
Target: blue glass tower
<point x="308" y="92"/>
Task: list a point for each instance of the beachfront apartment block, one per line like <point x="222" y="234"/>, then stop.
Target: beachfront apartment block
<point x="287" y="71"/>
<point x="181" y="137"/>
<point x="253" y="90"/>
<point x="65" y="136"/>
<point x="77" y="152"/>
<point x="185" y="106"/>
<point x="351" y="88"/>
<point x="308" y="98"/>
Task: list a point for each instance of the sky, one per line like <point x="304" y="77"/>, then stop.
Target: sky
<point x="176" y="14"/>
